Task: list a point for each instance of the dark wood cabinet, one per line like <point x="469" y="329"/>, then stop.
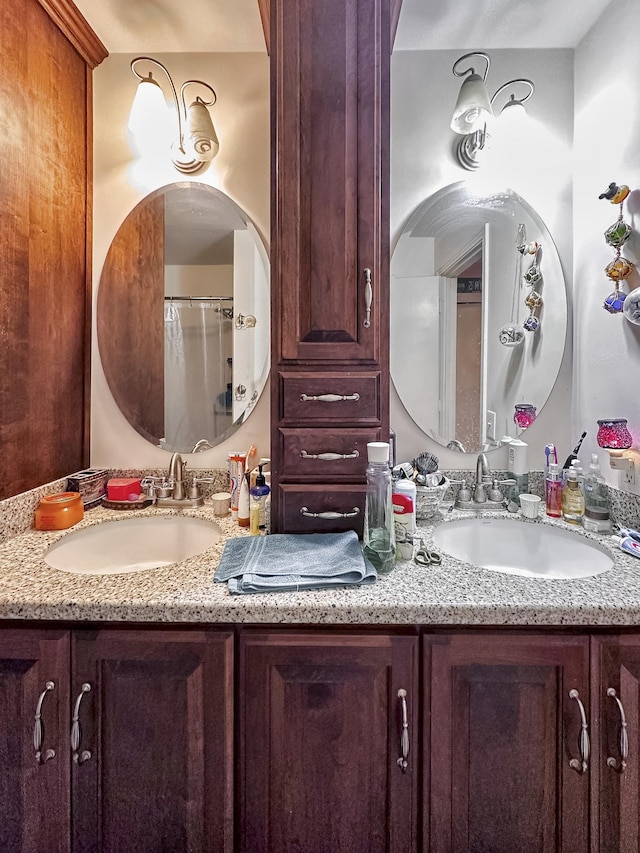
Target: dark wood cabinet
<point x="134" y="749"/>
<point x="502" y="762"/>
<point x="330" y="63"/>
<point x="320" y="734"/>
<point x="615" y="763"/>
<point x="34" y="727"/>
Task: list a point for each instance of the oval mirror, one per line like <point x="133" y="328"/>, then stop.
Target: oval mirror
<point x="465" y="275"/>
<point x="183" y="317"/>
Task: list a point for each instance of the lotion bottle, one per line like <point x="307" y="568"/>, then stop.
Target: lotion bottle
<point x="243" y="501"/>
<point x="553" y="491"/>
<point x="572" y="499"/>
<point x="518" y="466"/>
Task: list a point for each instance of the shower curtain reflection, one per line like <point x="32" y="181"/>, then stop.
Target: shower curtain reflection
<point x="198" y="348"/>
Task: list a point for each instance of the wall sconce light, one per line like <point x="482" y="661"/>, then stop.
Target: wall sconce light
<point x="150" y="121"/>
<point x="474" y="111"/>
<point x="614" y="436"/>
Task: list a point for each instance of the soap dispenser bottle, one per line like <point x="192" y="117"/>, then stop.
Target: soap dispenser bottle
<point x="572" y="499"/>
<point x="553" y="491"/>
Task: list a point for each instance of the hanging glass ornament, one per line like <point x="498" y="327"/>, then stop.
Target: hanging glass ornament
<point x="533" y="300"/>
<point x="531" y="324"/>
<point x="511" y="334"/>
<point x="533" y="274"/>
<point x="631" y="307"/>
<point x="616" y="235"/>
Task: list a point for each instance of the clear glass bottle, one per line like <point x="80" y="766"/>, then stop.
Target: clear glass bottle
<point x="572" y="499"/>
<point x="595" y="488"/>
<point x="379" y="543"/>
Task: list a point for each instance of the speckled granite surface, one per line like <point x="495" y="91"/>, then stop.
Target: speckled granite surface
<point x="454" y="593"/>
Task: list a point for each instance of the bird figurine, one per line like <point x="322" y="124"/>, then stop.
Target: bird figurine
<point x="615" y="194"/>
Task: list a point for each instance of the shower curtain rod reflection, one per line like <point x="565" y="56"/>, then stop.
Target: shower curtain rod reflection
<point x="198" y="299"/>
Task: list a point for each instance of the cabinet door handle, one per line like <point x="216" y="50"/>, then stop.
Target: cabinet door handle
<point x="329" y="514"/>
<point x="85" y="755"/>
<point x="329" y="457"/>
<point x="583" y="765"/>
<point x="329" y="398"/>
<point x="403" y="761"/>
<point x="368" y="297"/>
<point x="41" y="757"/>
<point x="620" y="764"/>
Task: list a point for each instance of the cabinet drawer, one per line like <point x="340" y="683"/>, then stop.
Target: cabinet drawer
<point x="322" y="508"/>
<point x="330" y="398"/>
<point x="325" y="454"/>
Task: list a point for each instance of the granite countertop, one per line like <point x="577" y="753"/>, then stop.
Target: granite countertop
<point x="454" y="593"/>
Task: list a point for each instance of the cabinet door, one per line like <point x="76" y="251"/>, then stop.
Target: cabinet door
<point x="321" y="728"/>
<point x="499" y="741"/>
<point x="616" y="758"/>
<point x="152" y="760"/>
<point x="34" y="741"/>
<point x="330" y="70"/>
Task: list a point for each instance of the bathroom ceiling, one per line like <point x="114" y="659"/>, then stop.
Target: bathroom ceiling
<point x="164" y="26"/>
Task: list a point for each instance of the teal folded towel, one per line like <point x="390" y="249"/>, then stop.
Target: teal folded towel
<point x="285" y="562"/>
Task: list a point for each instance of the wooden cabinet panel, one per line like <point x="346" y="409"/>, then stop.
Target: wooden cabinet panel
<point x="34" y="793"/>
<point x="310" y="398"/>
<point x="306" y="453"/>
<point x="615" y="699"/>
<point x="303" y="506"/>
<point x="320" y="728"/>
<point x="498" y="743"/>
<point x="158" y="724"/>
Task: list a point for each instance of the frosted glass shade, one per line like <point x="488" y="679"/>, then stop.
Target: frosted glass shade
<point x="150" y="118"/>
<point x="473" y="109"/>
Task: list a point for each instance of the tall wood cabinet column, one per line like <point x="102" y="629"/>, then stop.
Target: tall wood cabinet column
<point x="330" y="63"/>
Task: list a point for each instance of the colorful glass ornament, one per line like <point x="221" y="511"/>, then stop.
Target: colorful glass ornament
<point x="525" y="415"/>
<point x="531" y="324"/>
<point x="631" y="307"/>
<point x="511" y="335"/>
<point x="533" y="274"/>
<point x="616" y="235"/>
<point x="533" y="300"/>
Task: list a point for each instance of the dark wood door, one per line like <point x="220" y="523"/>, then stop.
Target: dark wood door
<point x="330" y="73"/>
<point x="320" y="726"/>
<point x="34" y="741"/>
<point x="501" y="741"/>
<point x="152" y="772"/>
<point x="616" y="744"/>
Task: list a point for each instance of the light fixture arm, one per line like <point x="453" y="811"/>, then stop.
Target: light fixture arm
<point x="513" y="100"/>
<point x="471" y="70"/>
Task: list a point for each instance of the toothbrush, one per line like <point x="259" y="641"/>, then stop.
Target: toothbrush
<point x="550" y="450"/>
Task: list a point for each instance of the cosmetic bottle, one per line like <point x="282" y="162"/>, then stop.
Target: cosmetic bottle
<point x="403" y="499"/>
<point x="379" y="542"/>
<point x="257" y="503"/>
<point x="553" y="491"/>
<point x="572" y="499"/>
<point x="519" y="468"/>
<point x="243" y="501"/>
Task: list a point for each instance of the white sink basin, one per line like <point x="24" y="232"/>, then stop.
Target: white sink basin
<point x="522" y="548"/>
<point x="132" y="545"/>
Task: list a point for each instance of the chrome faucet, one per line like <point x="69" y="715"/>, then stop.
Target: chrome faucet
<point x="200" y="445"/>
<point x="483" y="476"/>
<point x="176" y="486"/>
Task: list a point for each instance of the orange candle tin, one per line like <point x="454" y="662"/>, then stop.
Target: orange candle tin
<point x="57" y="512"/>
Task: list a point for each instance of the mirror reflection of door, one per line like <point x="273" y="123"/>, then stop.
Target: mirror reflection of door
<point x="468" y="353"/>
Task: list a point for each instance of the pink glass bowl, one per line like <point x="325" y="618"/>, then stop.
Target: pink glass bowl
<point x="613" y="434"/>
<point x="525" y="415"/>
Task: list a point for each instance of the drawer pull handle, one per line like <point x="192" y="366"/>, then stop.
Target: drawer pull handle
<point x="403" y="762"/>
<point x="583" y="765"/>
<point x="368" y="298"/>
<point x="329" y="514"/>
<point x="329" y="457"/>
<point x="329" y="398"/>
<point x="85" y="755"/>
<point x="620" y="764"/>
<point x="41" y="757"/>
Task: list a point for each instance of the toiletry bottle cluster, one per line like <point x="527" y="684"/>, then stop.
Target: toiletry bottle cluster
<point x="574" y="496"/>
<point x="249" y="491"/>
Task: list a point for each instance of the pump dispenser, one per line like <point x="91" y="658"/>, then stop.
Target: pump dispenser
<point x="553" y="491"/>
<point x="572" y="499"/>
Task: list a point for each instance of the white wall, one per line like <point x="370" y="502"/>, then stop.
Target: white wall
<point x="606" y="364"/>
<point x="241" y="170"/>
<point x="422" y="161"/>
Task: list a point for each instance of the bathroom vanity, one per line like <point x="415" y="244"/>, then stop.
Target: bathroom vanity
<point x="443" y="708"/>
